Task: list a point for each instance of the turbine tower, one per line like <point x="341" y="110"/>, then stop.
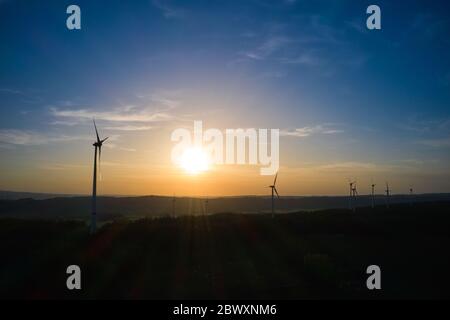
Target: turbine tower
<point x="411" y="196"/>
<point x="274" y="189"/>
<point x="388" y="192"/>
<point x="354" y="194"/>
<point x="373" y="195"/>
<point x="350" y="202"/>
<point x="173" y="205"/>
<point x="98" y="151"/>
<point x="206" y="205"/>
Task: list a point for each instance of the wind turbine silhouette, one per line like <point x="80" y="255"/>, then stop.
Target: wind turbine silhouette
<point x="373" y="195"/>
<point x="388" y="191"/>
<point x="174" y="200"/>
<point x="411" y="195"/>
<point x="206" y="205"/>
<point x="351" y="183"/>
<point x="354" y="194"/>
<point x="98" y="150"/>
<point x="274" y="189"/>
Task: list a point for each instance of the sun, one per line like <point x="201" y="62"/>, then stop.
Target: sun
<point x="194" y="161"/>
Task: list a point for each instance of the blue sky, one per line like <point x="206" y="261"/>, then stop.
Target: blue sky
<point x="349" y="102"/>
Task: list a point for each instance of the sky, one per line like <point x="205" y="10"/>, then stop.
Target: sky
<point x="350" y="103"/>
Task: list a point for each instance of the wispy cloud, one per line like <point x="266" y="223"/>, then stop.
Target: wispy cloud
<point x="356" y="168"/>
<point x="165" y="99"/>
<point x="305" y="58"/>
<point x="435" y="143"/>
<point x="168" y="10"/>
<point x="351" y="166"/>
<point x="129" y="128"/>
<point x="271" y="44"/>
<point x="32" y="138"/>
<point x="309" y="130"/>
<point x="357" y="24"/>
<point x="148" y="108"/>
<point x="317" y="43"/>
<point x="433" y="133"/>
<point x="420" y="124"/>
<point x="272" y="74"/>
<point x="123" y="114"/>
<point x="28" y="96"/>
<point x="62" y="166"/>
<point x="127" y="149"/>
<point x="11" y="91"/>
<point x="64" y="123"/>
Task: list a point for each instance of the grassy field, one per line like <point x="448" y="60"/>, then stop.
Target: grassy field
<point x="314" y="255"/>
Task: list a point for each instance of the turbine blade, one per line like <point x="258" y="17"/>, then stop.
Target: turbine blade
<point x="96" y="132"/>
<point x="275" y="180"/>
<point x="276" y="192"/>
<point x="104" y="139"/>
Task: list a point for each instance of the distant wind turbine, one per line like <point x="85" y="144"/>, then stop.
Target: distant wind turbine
<point x="388" y="192"/>
<point x="274" y="190"/>
<point x="350" y="202"/>
<point x="373" y="195"/>
<point x="354" y="194"/>
<point x="206" y="205"/>
<point x="173" y="205"/>
<point x="98" y="151"/>
<point x="411" y="196"/>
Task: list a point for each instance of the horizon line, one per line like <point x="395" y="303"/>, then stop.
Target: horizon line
<point x="58" y="194"/>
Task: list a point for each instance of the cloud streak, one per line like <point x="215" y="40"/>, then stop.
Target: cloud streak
<point x="309" y="131"/>
<point x="435" y="143"/>
<point x="352" y="166"/>
<point x="124" y="114"/>
<point x="129" y="128"/>
<point x="272" y="44"/>
<point x="168" y="11"/>
<point x="32" y="138"/>
<point x="417" y="124"/>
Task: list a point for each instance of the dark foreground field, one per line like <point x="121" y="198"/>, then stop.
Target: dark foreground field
<point x="293" y="256"/>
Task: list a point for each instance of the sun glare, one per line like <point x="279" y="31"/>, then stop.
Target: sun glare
<point x="194" y="161"/>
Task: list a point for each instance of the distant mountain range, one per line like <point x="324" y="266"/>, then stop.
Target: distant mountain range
<point x="37" y="205"/>
<point x="14" y="195"/>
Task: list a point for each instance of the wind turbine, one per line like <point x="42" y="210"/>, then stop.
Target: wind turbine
<point x="354" y="194"/>
<point x="373" y="195"/>
<point x="411" y="196"/>
<point x="351" y="183"/>
<point x="98" y="151"/>
<point x="206" y="205"/>
<point x="274" y="189"/>
<point x="173" y="205"/>
<point x="387" y="195"/>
